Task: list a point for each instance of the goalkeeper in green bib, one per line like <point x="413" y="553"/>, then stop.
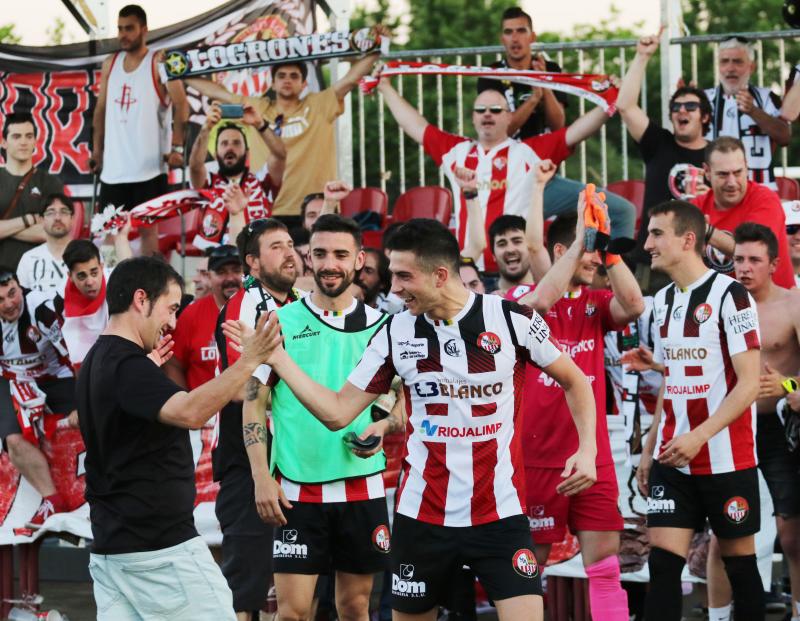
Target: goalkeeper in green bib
<point x="323" y="490"/>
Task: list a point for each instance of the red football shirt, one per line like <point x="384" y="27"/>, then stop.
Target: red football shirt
<point x="578" y="325"/>
<point x="760" y="205"/>
<point x="195" y="347"/>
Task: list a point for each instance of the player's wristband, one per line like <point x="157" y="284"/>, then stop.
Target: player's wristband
<point x="612" y="259"/>
<point x="790" y="385"/>
<point x="263" y="127"/>
<point x="470" y="194"/>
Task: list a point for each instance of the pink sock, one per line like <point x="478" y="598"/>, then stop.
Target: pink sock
<point x="607" y="598"/>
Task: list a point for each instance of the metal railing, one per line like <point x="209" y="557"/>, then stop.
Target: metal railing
<point x="603" y="158"/>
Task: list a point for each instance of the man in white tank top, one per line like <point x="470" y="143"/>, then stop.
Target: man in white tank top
<point x="131" y="149"/>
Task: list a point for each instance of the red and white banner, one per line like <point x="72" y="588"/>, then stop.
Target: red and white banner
<point x="596" y="88"/>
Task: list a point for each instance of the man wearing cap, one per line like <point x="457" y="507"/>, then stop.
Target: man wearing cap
<point x="747" y="112"/>
<point x="195" y="352"/>
<point x="792" y="211"/>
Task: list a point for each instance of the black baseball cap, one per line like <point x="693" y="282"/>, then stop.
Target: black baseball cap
<point x="220" y="256"/>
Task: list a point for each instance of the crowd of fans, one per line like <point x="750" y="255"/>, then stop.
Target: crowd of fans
<point x="497" y="350"/>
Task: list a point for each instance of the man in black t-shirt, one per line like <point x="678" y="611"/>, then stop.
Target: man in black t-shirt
<point x="673" y="160"/>
<point x="537" y="111"/>
<point x="147" y="559"/>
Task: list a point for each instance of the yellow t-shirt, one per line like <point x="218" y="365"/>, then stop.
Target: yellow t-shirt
<point x="308" y="134"/>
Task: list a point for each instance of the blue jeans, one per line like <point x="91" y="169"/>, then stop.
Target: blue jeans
<point x="180" y="583"/>
<point x="561" y="198"/>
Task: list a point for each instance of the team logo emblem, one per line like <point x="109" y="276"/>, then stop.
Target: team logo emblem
<point x="381" y="538"/>
<point x="537" y="511"/>
<point x="683" y="180"/>
<point x="451" y="348"/>
<point x="212" y="224"/>
<point x="702" y="313"/>
<point x="489" y="342"/>
<point x="524" y="563"/>
<point x="737" y="509"/>
<point x="591" y="309"/>
<point x="176" y="63"/>
<point x="499" y="163"/>
<point x="364" y="40"/>
<point x="718" y="260"/>
<point x="657" y="491"/>
<point x="289" y="535"/>
<point x="677" y="313"/>
<point x="406" y="571"/>
<point x="33" y="334"/>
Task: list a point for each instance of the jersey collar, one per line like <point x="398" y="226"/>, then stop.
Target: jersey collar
<point x="697" y="282"/>
<point x="440" y="323"/>
<point x="321" y="312"/>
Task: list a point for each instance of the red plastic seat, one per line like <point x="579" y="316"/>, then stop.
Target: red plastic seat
<point x="425" y="202"/>
<point x="633" y="190"/>
<point x="788" y="189"/>
<point x="169" y="232"/>
<point x="366" y="199"/>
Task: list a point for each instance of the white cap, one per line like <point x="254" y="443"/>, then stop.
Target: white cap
<point x="792" y="211"/>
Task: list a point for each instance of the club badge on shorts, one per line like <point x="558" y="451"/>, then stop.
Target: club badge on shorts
<point x="381" y="539"/>
<point x="737" y="509"/>
<point x="524" y="563"/>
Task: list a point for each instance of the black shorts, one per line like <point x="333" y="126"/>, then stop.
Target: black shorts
<point x="60" y="399"/>
<point x="781" y="468"/>
<point x="129" y="195"/>
<point x="427" y="559"/>
<point x="729" y="501"/>
<point x="352" y="537"/>
<point x="246" y="541"/>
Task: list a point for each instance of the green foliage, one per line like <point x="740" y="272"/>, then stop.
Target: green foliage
<point x="7" y="34"/>
<point x="56" y="33"/>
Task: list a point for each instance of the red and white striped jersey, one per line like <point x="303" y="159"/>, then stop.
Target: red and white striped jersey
<point x="214" y="224"/>
<point x="462" y="382"/>
<point x="33" y="346"/>
<point x="504" y="174"/>
<point x="697" y="331"/>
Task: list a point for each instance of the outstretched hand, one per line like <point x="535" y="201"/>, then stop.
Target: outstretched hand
<point x="163" y="351"/>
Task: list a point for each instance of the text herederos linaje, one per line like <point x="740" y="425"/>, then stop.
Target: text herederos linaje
<point x="178" y="64"/>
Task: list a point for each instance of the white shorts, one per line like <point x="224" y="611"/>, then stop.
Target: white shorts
<point x="178" y="583"/>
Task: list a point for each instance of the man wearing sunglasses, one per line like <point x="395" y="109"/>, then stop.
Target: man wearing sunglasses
<point x="673" y="159"/>
<point x="267" y="253"/>
<point x="502" y="165"/>
<point x="747" y="112"/>
<point x="792" y="211"/>
<point x="239" y="195"/>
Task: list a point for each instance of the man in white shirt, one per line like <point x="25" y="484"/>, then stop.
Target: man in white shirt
<point x="42" y="268"/>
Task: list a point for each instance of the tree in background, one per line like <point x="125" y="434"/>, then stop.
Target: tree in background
<point x="8" y="36"/>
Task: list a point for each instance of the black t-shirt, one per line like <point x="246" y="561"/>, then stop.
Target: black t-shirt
<point x="516" y="94"/>
<point x="139" y="472"/>
<point x="661" y="153"/>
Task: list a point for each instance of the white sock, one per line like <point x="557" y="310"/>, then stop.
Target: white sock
<point x="723" y="613"/>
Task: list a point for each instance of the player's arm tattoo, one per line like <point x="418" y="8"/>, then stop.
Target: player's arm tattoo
<point x="251" y="389"/>
<point x="254" y="433"/>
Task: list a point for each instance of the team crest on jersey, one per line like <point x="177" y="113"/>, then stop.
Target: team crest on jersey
<point x="737" y="509"/>
<point x="524" y="563"/>
<point x="591" y="309"/>
<point x="212" y="224"/>
<point x="33" y="334"/>
<point x="452" y="349"/>
<point x="500" y="162"/>
<point x="677" y="313"/>
<point x="489" y="342"/>
<point x="702" y="313"/>
<point x="381" y="539"/>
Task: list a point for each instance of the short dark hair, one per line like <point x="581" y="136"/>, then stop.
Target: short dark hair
<point x="388" y="233"/>
<point x="299" y="235"/>
<point x="561" y="231"/>
<point x="6" y="274"/>
<point x="685" y="218"/>
<point x="337" y="223"/>
<point x="17" y="118"/>
<point x="753" y="232"/>
<point x="153" y="275"/>
<point x="384" y="274"/>
<point x="134" y="10"/>
<point x="233" y="126"/>
<point x="80" y="251"/>
<point x="314" y="196"/>
<point x="503" y="224"/>
<point x="723" y="144"/>
<point x="299" y="64"/>
<point x="249" y="238"/>
<point x="515" y="12"/>
<point x="431" y="242"/>
<point x="60" y="197"/>
<point x="705" y="105"/>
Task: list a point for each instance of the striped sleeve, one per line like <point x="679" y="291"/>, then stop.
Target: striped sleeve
<point x="530" y="331"/>
<point x="375" y="371"/>
<point x="739" y="320"/>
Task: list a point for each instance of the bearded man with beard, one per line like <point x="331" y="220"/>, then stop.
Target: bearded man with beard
<point x="510" y="250"/>
<point x="324" y="493"/>
<point x="240" y="196"/>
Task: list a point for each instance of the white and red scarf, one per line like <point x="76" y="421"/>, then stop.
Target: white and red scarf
<point x="596" y="88"/>
<point x="84" y="321"/>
